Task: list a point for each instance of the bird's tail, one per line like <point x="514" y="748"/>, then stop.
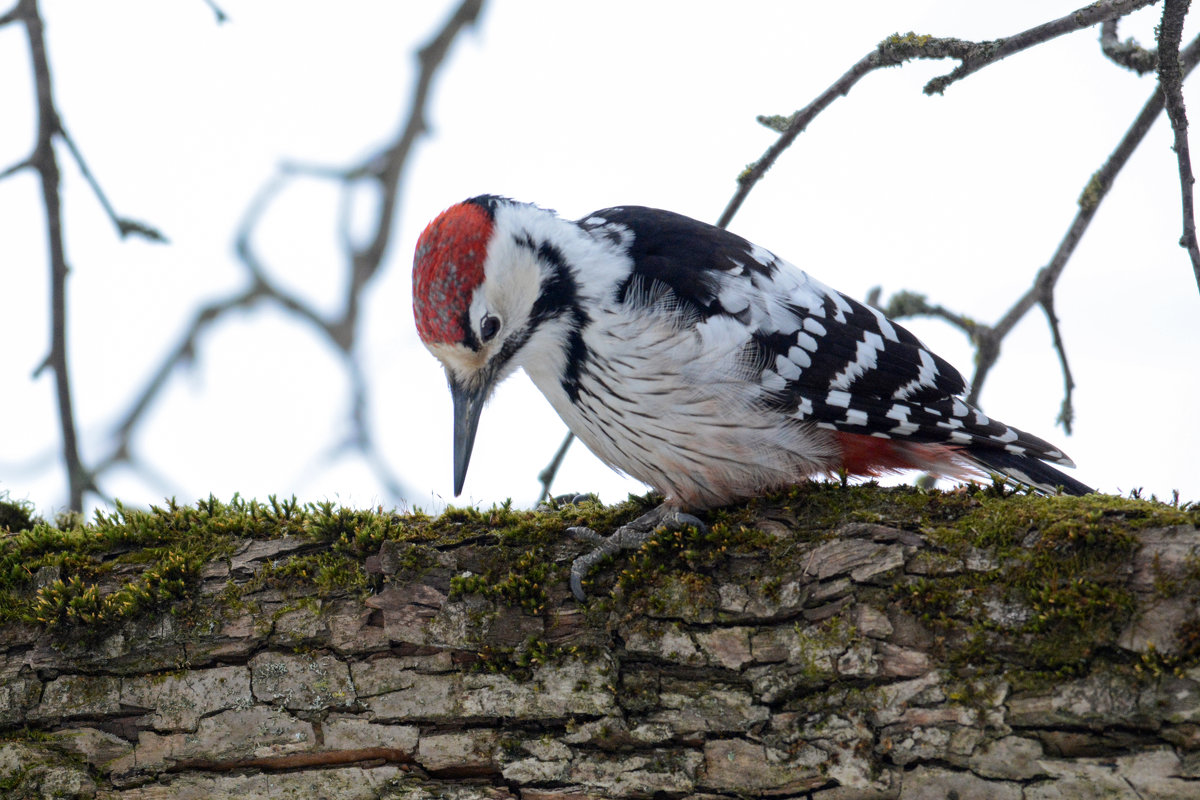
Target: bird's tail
<point x="1028" y="470"/>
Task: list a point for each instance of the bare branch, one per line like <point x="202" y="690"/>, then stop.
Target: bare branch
<point x="898" y="49"/>
<point x="546" y="476"/>
<point x="1170" y="81"/>
<point x="124" y="226"/>
<point x="15" y="168"/>
<point x="221" y="16"/>
<point x="1129" y="53"/>
<point x="45" y="163"/>
<point x="984" y="53"/>
<point x="988" y="338"/>
<point x="1066" y="414"/>
<point x="382" y="171"/>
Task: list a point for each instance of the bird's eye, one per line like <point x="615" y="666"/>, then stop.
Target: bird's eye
<point x="489" y="326"/>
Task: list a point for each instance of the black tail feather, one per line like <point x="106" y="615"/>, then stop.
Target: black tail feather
<point x="1029" y="470"/>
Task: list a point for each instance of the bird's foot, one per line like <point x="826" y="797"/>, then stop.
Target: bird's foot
<point x="629" y="536"/>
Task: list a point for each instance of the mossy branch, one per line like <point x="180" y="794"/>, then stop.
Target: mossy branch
<point x="827" y="641"/>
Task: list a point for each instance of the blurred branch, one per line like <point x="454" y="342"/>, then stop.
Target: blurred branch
<point x="381" y="172"/>
<point x="899" y="49"/>
<point x="546" y="476"/>
<point x="124" y="225"/>
<point x="1170" y="82"/>
<point x="217" y="12"/>
<point x="44" y="161"/>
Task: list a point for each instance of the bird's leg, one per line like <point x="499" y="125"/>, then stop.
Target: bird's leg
<point x="629" y="536"/>
<point x="569" y="499"/>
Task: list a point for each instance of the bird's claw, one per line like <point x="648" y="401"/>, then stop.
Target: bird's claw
<point x="629" y="536"/>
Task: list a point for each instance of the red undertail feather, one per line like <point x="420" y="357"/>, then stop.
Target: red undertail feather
<point x="873" y="456"/>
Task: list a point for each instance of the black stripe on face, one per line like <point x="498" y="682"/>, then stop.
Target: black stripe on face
<point x="559" y="296"/>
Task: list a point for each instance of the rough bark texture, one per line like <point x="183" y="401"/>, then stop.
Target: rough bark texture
<point x="885" y="645"/>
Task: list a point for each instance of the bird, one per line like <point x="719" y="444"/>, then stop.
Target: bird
<point x="693" y="360"/>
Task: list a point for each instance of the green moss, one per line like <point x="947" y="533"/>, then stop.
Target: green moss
<point x="521" y="583"/>
<point x="520" y="662"/>
<point x="1058" y="593"/>
<point x="16" y="515"/>
<point x="1051" y="595"/>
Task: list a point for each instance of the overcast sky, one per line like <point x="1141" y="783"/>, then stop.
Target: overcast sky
<point x="575" y="106"/>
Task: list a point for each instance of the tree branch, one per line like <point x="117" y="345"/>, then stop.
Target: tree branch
<point x="124" y="225"/>
<point x="987" y="339"/>
<point x="898" y="49"/>
<point x="221" y="16"/>
<point x="382" y="171"/>
<point x="45" y="163"/>
<point x="892" y="51"/>
<point x="1129" y="53"/>
<point x="1170" y="81"/>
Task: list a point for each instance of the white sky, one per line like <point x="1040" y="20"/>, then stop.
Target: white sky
<point x="574" y="106"/>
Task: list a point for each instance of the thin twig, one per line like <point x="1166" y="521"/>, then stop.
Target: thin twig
<point x="221" y="16"/>
<point x="45" y="162"/>
<point x="987" y="339"/>
<point x="1066" y="413"/>
<point x="15" y="168"/>
<point x="384" y="170"/>
<point x="985" y="53"/>
<point x="1170" y="80"/>
<point x="895" y="50"/>
<point x="547" y="475"/>
<point x="899" y="49"/>
<point x="1129" y="53"/>
<point x="1089" y="201"/>
<point x="124" y="225"/>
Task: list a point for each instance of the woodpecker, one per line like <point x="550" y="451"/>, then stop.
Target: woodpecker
<point x="693" y="360"/>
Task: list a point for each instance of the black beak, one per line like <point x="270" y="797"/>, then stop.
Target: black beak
<point x="468" y="403"/>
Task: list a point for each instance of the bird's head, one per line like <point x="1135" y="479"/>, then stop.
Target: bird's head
<point x="474" y="291"/>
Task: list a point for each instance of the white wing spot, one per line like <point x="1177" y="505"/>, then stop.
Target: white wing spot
<point x="786" y="368"/>
<point x="856" y="417"/>
<point x="839" y="399"/>
<point x="799" y="357"/>
<point x="1009" y="435"/>
<point x="806" y="341"/>
<point x="841" y="305"/>
<point x="885" y="326"/>
<point x="814" y="327"/>
<point x="866" y="357"/>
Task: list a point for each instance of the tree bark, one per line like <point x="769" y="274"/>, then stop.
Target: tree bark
<point x="832" y="643"/>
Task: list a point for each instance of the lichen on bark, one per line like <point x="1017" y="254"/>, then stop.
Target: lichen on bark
<point x="828" y="642"/>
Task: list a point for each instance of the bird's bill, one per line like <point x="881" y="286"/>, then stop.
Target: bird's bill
<point x="468" y="403"/>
